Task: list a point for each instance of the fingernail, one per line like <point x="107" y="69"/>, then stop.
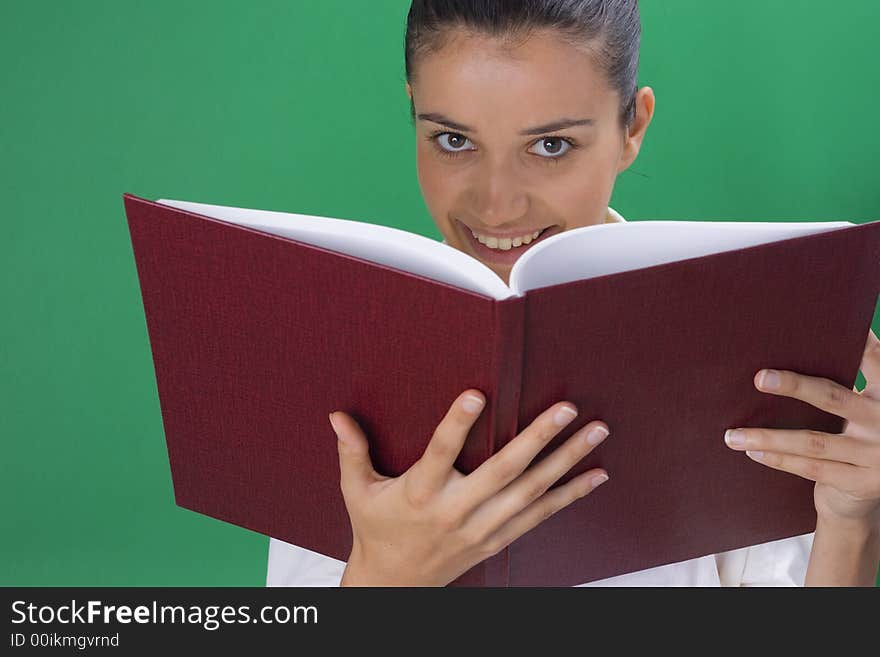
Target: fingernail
<point x="769" y="379"/>
<point x="597" y="435"/>
<point x="471" y="403"/>
<point x="333" y="424"/>
<point x="755" y="455"/>
<point x="564" y="415"/>
<point x="598" y="480"/>
<point x="734" y="438"/>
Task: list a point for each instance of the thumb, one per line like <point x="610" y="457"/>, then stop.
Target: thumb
<point x="355" y="467"/>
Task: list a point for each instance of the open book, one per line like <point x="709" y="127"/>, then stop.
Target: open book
<point x="569" y="256"/>
<point x="261" y="323"/>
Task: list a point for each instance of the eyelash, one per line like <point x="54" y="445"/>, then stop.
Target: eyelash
<point x="453" y="154"/>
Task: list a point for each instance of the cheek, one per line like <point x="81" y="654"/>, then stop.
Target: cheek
<point x="436" y="183"/>
<point x="581" y="197"/>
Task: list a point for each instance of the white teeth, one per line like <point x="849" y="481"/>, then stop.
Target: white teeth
<point x="505" y="243"/>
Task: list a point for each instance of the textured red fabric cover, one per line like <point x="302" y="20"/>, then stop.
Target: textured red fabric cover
<point x="256" y="338"/>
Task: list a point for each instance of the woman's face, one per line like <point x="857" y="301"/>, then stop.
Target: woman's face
<point x="489" y="160"/>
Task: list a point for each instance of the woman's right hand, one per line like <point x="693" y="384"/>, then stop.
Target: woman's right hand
<point x="432" y="523"/>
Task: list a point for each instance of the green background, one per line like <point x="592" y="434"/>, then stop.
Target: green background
<point x="765" y="110"/>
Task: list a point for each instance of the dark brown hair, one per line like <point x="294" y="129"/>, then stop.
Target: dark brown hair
<point x="609" y="29"/>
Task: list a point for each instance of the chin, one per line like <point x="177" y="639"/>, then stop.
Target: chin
<point x="503" y="272"/>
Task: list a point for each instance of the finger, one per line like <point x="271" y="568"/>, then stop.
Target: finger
<point x="544" y="507"/>
<point x="536" y="480"/>
<point x="805" y="442"/>
<point x="355" y="467"/>
<point x="870" y="366"/>
<point x="819" y="392"/>
<point x="843" y="476"/>
<point x="436" y="464"/>
<point x="508" y="463"/>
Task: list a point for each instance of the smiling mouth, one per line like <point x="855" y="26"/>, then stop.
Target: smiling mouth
<point x="504" y="251"/>
<point x="506" y="243"/>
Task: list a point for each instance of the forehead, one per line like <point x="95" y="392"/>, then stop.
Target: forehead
<point x="542" y="77"/>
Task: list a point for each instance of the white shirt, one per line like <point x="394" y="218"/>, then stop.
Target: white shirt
<point x="777" y="563"/>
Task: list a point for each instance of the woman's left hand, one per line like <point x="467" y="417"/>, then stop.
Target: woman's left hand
<point x="845" y="466"/>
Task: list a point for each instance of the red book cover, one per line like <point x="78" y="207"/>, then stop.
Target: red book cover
<point x="256" y="337"/>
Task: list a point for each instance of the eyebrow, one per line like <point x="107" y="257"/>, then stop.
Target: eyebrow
<point x="536" y="130"/>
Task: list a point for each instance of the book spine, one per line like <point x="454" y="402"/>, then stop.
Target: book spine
<point x="507" y="364"/>
<point x="502" y="404"/>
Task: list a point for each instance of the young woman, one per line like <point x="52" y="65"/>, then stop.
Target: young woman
<point x="525" y="113"/>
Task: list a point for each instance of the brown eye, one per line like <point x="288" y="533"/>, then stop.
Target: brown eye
<point x="454" y="140"/>
<point x="553" y="146"/>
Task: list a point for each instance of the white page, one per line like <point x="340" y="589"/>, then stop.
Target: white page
<point x="576" y="254"/>
<point x="602" y="249"/>
<point x="382" y="244"/>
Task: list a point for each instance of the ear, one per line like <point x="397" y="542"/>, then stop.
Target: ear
<point x="644" y="114"/>
<point x="408" y="90"/>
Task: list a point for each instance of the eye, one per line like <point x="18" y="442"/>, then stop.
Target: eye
<point x="555" y="147"/>
<point x="454" y="140"/>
